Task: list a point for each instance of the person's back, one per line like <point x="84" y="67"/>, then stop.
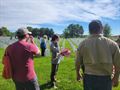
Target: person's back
<point x="43" y="44"/>
<point x="21" y="57"/>
<point x="97" y="55"/>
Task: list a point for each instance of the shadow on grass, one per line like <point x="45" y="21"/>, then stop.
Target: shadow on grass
<point x="46" y="86"/>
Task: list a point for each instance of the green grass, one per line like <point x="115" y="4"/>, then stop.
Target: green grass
<point x="73" y="43"/>
<point x="66" y="73"/>
<point x="61" y="42"/>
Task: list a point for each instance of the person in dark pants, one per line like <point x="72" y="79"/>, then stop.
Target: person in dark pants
<point x="94" y="82"/>
<point x="54" y="48"/>
<point x="43" y="45"/>
<point x="54" y="70"/>
<point x="99" y="55"/>
<point x="43" y="51"/>
<point x="21" y="55"/>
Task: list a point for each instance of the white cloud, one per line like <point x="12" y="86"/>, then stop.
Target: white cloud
<point x="16" y="13"/>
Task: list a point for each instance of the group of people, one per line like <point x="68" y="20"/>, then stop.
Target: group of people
<point x="96" y="56"/>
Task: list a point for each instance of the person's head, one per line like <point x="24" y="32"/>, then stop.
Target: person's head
<point x="23" y="33"/>
<point x="45" y="36"/>
<point x="95" y="27"/>
<point x="55" y="38"/>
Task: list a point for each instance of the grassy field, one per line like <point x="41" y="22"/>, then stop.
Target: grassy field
<point x="66" y="74"/>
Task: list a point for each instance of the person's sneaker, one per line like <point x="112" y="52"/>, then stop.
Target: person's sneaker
<point x="53" y="84"/>
<point x="55" y="87"/>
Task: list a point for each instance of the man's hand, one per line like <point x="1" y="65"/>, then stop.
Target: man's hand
<point x="31" y="39"/>
<point x="79" y="77"/>
<point x="115" y="81"/>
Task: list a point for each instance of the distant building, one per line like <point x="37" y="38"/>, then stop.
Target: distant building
<point x="115" y="37"/>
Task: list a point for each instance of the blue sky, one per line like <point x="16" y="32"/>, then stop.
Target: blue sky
<point x="58" y="14"/>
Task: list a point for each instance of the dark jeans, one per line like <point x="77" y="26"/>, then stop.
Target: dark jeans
<point x="43" y="51"/>
<point x="93" y="82"/>
<point x="29" y="85"/>
<point x="54" y="69"/>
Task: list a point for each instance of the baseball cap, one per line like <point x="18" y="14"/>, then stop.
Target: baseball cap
<point x="45" y="36"/>
<point x="23" y="31"/>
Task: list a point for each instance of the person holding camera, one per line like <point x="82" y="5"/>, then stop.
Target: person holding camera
<point x="21" y="55"/>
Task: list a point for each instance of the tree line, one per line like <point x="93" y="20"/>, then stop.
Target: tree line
<point x="41" y="31"/>
<point x="76" y="30"/>
<point x="71" y="31"/>
<point x="35" y="31"/>
<point x="5" y="32"/>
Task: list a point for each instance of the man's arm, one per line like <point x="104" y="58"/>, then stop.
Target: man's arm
<point x="37" y="54"/>
<point x="116" y="63"/>
<point x="115" y="79"/>
<point x="77" y="65"/>
<point x="118" y="41"/>
<point x="78" y="71"/>
<point x="35" y="50"/>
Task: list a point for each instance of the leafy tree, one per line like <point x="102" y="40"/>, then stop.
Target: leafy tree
<point x="41" y="31"/>
<point x="73" y="30"/>
<point x="1" y="33"/>
<point x="30" y="28"/>
<point x="50" y="33"/>
<point x="107" y="30"/>
<point x="4" y="31"/>
<point x="66" y="33"/>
